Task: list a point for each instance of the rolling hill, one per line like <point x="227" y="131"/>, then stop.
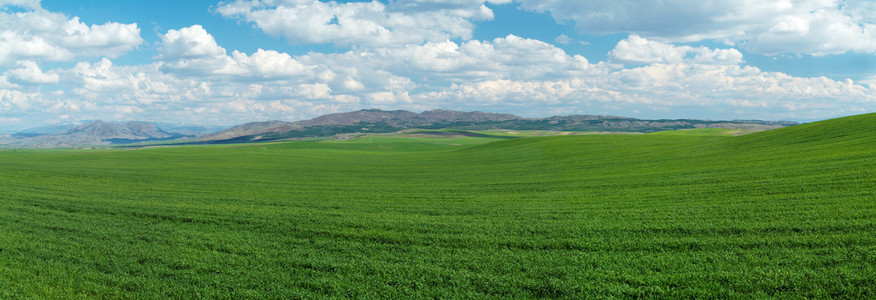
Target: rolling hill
<point x="785" y="213"/>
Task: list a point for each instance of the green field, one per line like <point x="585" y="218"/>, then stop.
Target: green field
<point x="787" y="213"/>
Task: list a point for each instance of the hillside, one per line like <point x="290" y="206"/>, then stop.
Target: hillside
<point x="379" y="121"/>
<point x="786" y="213"/>
<point x="366" y="120"/>
<point x="840" y="132"/>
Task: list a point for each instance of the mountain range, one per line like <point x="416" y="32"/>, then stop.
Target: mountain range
<point x="94" y="133"/>
<point x="381" y="121"/>
<point x="90" y="133"/>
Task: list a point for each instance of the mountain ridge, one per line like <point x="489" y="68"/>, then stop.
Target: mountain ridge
<point x="401" y="119"/>
<point x="381" y="121"/>
<point x="94" y="133"/>
<point x="102" y="133"/>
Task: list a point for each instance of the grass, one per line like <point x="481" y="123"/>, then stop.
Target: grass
<point x="788" y="213"/>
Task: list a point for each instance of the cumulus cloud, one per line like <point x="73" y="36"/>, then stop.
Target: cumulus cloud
<point x="474" y="75"/>
<point x="509" y="57"/>
<point x="189" y="42"/>
<point x="37" y="34"/>
<point x="816" y="27"/>
<point x="314" y="91"/>
<point x="16" y="101"/>
<point x="194" y="78"/>
<point x="363" y="72"/>
<point x="30" y="72"/>
<point x="725" y="90"/>
<point x="361" y="23"/>
<point x="385" y="98"/>
<point x="822" y="31"/>
<point x="635" y="49"/>
<point x="270" y="64"/>
<point x="194" y="51"/>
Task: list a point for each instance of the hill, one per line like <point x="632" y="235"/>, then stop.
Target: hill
<point x="379" y="121"/>
<point x="366" y="120"/>
<point x="840" y="132"/>
<point x="90" y="133"/>
<point x="786" y="213"/>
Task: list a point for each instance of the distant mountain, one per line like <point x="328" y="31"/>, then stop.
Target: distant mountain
<point x="396" y="118"/>
<point x="404" y="119"/>
<point x="442" y="116"/>
<point x="614" y="123"/>
<point x="366" y="120"/>
<point x="129" y="131"/>
<point x="252" y="128"/>
<point x="376" y="121"/>
<point x="44" y="130"/>
<point x="97" y="133"/>
<point x="186" y="129"/>
<point x="93" y="133"/>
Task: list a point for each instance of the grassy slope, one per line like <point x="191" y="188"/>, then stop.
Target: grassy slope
<point x="788" y="212"/>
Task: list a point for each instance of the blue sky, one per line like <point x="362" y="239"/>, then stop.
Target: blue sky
<point x="231" y="62"/>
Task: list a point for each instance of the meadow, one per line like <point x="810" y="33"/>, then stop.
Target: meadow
<point x="786" y="213"/>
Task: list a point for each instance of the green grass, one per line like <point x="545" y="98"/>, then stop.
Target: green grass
<point x="788" y="213"/>
<point x="699" y="131"/>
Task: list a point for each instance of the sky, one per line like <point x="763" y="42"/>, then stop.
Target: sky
<point x="199" y="62"/>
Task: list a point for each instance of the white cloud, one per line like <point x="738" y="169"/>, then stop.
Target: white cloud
<point x="441" y="4"/>
<point x="100" y="77"/>
<point x="28" y="4"/>
<point x="270" y="64"/>
<point x="110" y="39"/>
<point x="863" y="10"/>
<point x="563" y="39"/>
<point x="816" y="27"/>
<point x="723" y="91"/>
<point x="510" y="57"/>
<point x="194" y="51"/>
<point x="189" y="42"/>
<point x="822" y="31"/>
<point x="870" y="81"/>
<point x="510" y="92"/>
<point x="358" y="71"/>
<point x="361" y="23"/>
<point x="636" y="49"/>
<point x="314" y="91"/>
<point x="30" y="72"/>
<point x="436" y="64"/>
<point x="197" y="80"/>
<point x="37" y="34"/>
<point x="16" y="46"/>
<point x="12" y="101"/>
<point x="384" y="98"/>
